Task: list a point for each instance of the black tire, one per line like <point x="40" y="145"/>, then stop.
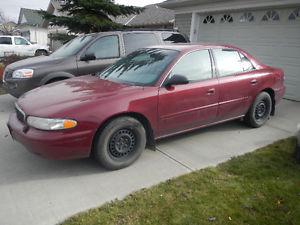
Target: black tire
<point x="120" y="143"/>
<point x="260" y="111"/>
<point x="41" y="52"/>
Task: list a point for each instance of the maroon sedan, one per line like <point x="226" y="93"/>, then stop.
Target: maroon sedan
<point x="150" y="94"/>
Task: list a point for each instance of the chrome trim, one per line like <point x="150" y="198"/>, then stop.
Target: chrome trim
<point x="21" y="111"/>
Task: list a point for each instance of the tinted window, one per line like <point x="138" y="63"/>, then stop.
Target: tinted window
<point x="72" y="47"/>
<point x="20" y="41"/>
<point x="135" y="41"/>
<point x="173" y="38"/>
<point x="142" y="67"/>
<point x="105" y="47"/>
<point x="5" y="41"/>
<point x="228" y="62"/>
<point x="195" y="66"/>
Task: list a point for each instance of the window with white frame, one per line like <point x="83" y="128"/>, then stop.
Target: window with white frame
<point x="227" y="18"/>
<point x="247" y="17"/>
<point x="271" y="15"/>
<point x="295" y="15"/>
<point x="209" y="19"/>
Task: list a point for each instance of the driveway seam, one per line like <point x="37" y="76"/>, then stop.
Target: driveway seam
<point x="175" y="160"/>
<point x="279" y="128"/>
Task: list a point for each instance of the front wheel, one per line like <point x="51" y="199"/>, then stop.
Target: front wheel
<point x="260" y="111"/>
<point x="120" y="143"/>
<point x="41" y="52"/>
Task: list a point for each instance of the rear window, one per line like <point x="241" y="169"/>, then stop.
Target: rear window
<point x="5" y="41"/>
<point x="170" y="38"/>
<point x="134" y="41"/>
<point x="228" y="62"/>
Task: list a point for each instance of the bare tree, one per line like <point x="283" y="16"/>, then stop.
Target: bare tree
<point x="7" y="27"/>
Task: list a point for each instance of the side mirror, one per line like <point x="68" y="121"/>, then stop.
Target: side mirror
<point x="88" y="57"/>
<point x="247" y="66"/>
<point x="176" y="80"/>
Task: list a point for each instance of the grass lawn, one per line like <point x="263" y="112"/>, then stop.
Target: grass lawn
<point x="259" y="188"/>
<point x="2" y="92"/>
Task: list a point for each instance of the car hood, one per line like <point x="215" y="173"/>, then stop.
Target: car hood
<point x="36" y="62"/>
<point x="50" y="100"/>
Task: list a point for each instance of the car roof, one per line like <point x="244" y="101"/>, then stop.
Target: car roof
<point x="193" y="46"/>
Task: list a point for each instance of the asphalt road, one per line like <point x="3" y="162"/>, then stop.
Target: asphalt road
<point x="37" y="191"/>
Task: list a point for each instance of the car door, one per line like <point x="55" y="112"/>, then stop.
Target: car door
<point x="23" y="47"/>
<point x="6" y="46"/>
<point x="106" y="51"/>
<point x="237" y="81"/>
<point x="188" y="106"/>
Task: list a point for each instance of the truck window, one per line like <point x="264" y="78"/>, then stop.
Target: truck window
<point x="173" y="38"/>
<point x="5" y="41"/>
<point x="134" y="41"/>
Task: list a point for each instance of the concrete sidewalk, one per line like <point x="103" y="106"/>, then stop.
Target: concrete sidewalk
<point x="37" y="191"/>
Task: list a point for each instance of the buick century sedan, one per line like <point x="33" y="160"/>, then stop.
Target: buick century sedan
<point x="152" y="93"/>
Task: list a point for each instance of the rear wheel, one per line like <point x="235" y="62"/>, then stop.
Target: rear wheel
<point x="260" y="111"/>
<point x="41" y="52"/>
<point x="120" y="143"/>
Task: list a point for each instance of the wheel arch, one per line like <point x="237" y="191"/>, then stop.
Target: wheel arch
<point x="56" y="75"/>
<point x="271" y="92"/>
<point x="138" y="116"/>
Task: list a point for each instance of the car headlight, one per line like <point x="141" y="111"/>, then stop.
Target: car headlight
<point x="23" y="73"/>
<point x="50" y="124"/>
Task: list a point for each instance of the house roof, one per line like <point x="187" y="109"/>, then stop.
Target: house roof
<point x="152" y="15"/>
<point x="30" y="17"/>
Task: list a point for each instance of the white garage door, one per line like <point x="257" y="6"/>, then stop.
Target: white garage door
<point x="273" y="36"/>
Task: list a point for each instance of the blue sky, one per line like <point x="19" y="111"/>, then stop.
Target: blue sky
<point x="11" y="8"/>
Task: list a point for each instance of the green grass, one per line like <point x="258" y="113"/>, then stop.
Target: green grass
<point x="259" y="188"/>
<point x="2" y="92"/>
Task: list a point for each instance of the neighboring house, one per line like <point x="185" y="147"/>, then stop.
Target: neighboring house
<point x="152" y="17"/>
<point x="53" y="8"/>
<point x="268" y="29"/>
<point x="31" y="27"/>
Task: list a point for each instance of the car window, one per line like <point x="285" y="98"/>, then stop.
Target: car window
<point x="105" y="47"/>
<point x="142" y="67"/>
<point x="228" y="62"/>
<point x="195" y="66"/>
<point x="246" y="63"/>
<point x="72" y="47"/>
<point x="134" y="41"/>
<point x="5" y="41"/>
<point x="173" y="38"/>
<point x="20" y="41"/>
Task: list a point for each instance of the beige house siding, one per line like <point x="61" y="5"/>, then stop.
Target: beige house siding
<point x="183" y="23"/>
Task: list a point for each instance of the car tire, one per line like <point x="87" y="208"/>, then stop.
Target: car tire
<point x="120" y="143"/>
<point x="41" y="52"/>
<point x="260" y="111"/>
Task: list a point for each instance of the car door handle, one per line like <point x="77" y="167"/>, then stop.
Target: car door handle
<point x="253" y="82"/>
<point x="211" y="91"/>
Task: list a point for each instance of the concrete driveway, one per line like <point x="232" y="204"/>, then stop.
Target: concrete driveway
<point x="37" y="191"/>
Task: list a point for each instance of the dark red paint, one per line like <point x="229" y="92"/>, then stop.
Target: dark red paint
<point x="92" y="102"/>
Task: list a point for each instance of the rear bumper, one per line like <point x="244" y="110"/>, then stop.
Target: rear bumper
<point x="51" y="144"/>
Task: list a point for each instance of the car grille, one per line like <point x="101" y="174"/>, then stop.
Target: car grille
<point x="20" y="114"/>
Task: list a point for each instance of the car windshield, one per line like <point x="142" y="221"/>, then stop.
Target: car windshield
<point x="72" y="47"/>
<point x="141" y="68"/>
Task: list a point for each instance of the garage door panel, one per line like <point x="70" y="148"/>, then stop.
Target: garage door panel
<point x="275" y="43"/>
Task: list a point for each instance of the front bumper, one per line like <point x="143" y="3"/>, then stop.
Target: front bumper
<point x="51" y="144"/>
<point x="17" y="87"/>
